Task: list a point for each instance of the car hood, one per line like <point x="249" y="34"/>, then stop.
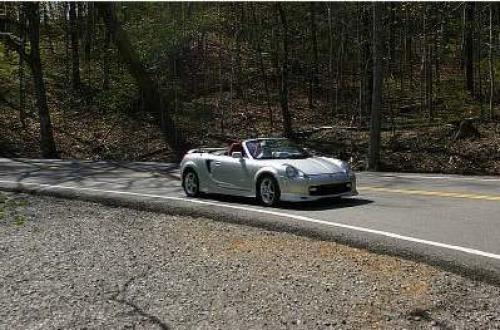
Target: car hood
<point x="315" y="165"/>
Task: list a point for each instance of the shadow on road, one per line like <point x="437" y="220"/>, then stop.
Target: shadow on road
<point x="59" y="172"/>
<point x="322" y="204"/>
<point x="327" y="204"/>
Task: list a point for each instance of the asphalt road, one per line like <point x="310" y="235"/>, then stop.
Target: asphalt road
<point x="452" y="221"/>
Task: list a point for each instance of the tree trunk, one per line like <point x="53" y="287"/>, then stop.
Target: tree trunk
<point x="330" y="57"/>
<point x="47" y="144"/>
<point x="88" y="20"/>
<point x="75" y="54"/>
<point x="360" y="70"/>
<point x="22" y="82"/>
<point x="375" y="122"/>
<point x="367" y="57"/>
<point x="424" y="64"/>
<point x="409" y="58"/>
<point x="479" y="92"/>
<point x="313" y="72"/>
<point x="437" y="45"/>
<point x="220" y="104"/>
<point x="338" y="77"/>
<point x="490" y="62"/>
<point x="239" y="82"/>
<point x="287" y="120"/>
<point x="402" y="56"/>
<point x="257" y="39"/>
<point x="105" y="61"/>
<point x="392" y="42"/>
<point x="429" y="85"/>
<point x="152" y="96"/>
<point x="469" y="46"/>
<point x="67" y="60"/>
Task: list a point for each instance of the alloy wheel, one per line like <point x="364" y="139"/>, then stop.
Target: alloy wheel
<point x="191" y="185"/>
<point x="267" y="191"/>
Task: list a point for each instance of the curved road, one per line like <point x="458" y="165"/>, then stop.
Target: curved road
<point x="448" y="220"/>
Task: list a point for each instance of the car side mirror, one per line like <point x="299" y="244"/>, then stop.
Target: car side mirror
<point x="237" y="154"/>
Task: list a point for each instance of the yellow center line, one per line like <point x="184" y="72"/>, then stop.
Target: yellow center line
<point x="432" y="193"/>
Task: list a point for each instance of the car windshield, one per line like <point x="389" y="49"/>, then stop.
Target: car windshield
<point x="275" y="149"/>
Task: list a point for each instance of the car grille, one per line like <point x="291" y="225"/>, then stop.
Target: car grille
<point x="330" y="189"/>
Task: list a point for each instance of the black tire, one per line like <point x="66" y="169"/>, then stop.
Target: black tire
<point x="191" y="183"/>
<point x="269" y="199"/>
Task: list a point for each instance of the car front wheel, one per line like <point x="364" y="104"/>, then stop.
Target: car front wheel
<point x="191" y="184"/>
<point x="268" y="191"/>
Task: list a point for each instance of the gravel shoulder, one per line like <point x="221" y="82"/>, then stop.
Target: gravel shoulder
<point x="74" y="264"/>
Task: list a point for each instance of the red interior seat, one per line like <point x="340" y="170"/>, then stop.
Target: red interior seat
<point x="235" y="147"/>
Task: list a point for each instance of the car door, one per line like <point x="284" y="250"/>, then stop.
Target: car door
<point x="231" y="173"/>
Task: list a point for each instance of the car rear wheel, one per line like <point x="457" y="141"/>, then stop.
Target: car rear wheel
<point x="191" y="184"/>
<point x="268" y="191"/>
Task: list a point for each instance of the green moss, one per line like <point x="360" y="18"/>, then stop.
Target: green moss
<point x="19" y="219"/>
<point x="14" y="203"/>
<point x="21" y="203"/>
<point x="12" y="210"/>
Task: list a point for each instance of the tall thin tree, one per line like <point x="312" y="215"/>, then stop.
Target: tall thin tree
<point x="285" y="111"/>
<point x="22" y="82"/>
<point x="154" y="100"/>
<point x="257" y="40"/>
<point x="313" y="72"/>
<point x="490" y="62"/>
<point x="75" y="52"/>
<point x="469" y="46"/>
<point x="375" y="122"/>
<point x="47" y="143"/>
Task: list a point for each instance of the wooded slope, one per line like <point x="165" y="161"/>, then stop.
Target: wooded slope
<point x="148" y="80"/>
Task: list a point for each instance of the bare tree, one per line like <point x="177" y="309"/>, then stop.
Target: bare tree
<point x="257" y="40"/>
<point x="32" y="15"/>
<point x="22" y="82"/>
<point x="75" y="53"/>
<point x="490" y="62"/>
<point x="375" y="123"/>
<point x="105" y="61"/>
<point x="47" y="144"/>
<point x="330" y="56"/>
<point x="287" y="120"/>
<point x="152" y="95"/>
<point x="313" y="72"/>
<point x="469" y="46"/>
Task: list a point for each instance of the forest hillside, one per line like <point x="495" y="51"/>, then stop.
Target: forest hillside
<point x="399" y="86"/>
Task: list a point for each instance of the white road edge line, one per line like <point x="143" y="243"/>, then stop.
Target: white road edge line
<point x="280" y="214"/>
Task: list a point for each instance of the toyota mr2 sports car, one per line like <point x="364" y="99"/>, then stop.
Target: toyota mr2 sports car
<point x="270" y="169"/>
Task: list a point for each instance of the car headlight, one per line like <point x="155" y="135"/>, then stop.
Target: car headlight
<point x="292" y="172"/>
<point x="347" y="168"/>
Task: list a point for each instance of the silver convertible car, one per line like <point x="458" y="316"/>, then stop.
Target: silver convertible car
<point x="269" y="169"/>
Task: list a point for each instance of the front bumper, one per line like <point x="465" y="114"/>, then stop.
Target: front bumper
<point x="317" y="187"/>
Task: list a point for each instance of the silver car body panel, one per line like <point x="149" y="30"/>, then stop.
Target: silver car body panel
<point x="220" y="173"/>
